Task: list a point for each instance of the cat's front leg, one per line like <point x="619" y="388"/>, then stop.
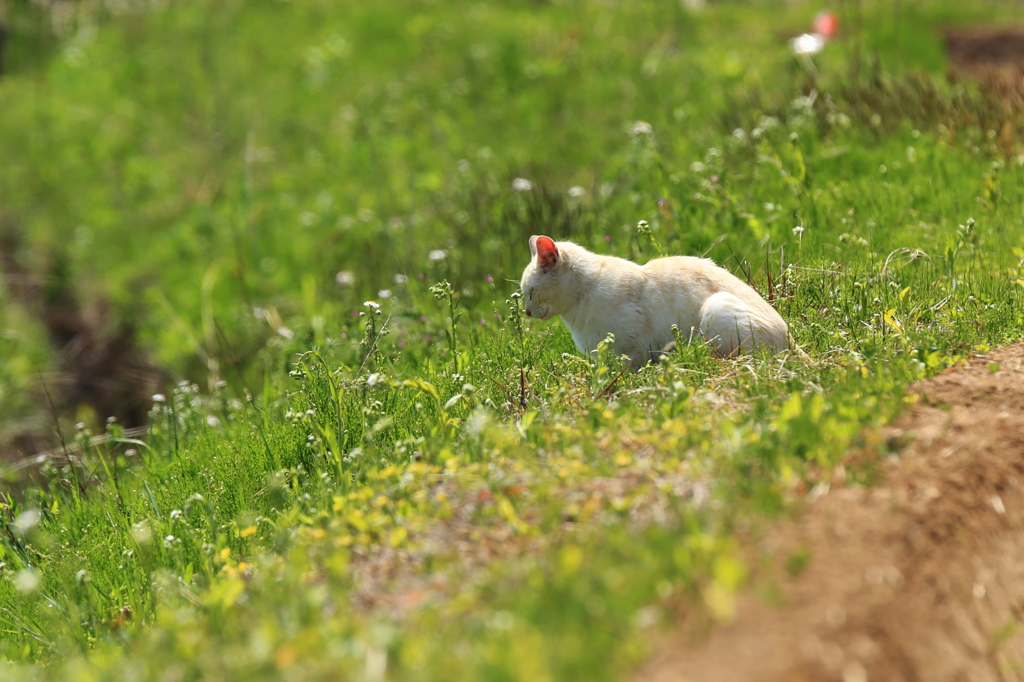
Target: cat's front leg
<point x="636" y="350"/>
<point x="638" y="360"/>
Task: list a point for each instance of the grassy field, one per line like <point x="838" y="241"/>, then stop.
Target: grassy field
<point x="314" y="216"/>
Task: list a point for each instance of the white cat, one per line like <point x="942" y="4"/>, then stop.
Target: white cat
<point x="597" y="294"/>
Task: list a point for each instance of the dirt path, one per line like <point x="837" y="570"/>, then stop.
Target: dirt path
<point x="919" y="578"/>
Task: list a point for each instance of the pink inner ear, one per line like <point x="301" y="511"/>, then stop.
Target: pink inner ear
<point x="547" y="252"/>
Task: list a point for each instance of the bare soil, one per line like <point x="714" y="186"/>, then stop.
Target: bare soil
<point x="994" y="57"/>
<point x="919" y="577"/>
<point x="979" y="51"/>
<point x="99" y="363"/>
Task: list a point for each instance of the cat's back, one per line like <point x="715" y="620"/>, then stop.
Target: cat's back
<point x="671" y="280"/>
<point x="700" y="276"/>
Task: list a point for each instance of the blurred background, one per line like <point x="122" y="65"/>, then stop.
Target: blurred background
<point x="198" y="190"/>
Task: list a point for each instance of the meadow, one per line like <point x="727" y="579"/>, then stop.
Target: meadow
<point x="366" y="462"/>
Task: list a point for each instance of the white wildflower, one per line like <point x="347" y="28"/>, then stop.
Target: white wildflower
<point x="26" y="581"/>
<point x="27" y="520"/>
<point x="643" y="128"/>
<point x="502" y="621"/>
<point x="142" y="533"/>
<point x="808" y="44"/>
<point x="806" y="102"/>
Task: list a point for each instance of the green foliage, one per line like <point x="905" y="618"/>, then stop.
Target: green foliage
<point x="392" y="473"/>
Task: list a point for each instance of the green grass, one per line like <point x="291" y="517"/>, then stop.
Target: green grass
<point x="441" y="488"/>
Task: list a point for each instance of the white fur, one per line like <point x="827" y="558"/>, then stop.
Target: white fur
<point x="597" y="294"/>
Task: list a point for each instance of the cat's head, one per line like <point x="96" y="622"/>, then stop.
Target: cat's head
<point x="546" y="291"/>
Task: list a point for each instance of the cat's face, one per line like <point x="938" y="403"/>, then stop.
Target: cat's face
<point x="545" y="291"/>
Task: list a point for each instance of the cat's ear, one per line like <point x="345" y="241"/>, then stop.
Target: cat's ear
<point x="545" y="251"/>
